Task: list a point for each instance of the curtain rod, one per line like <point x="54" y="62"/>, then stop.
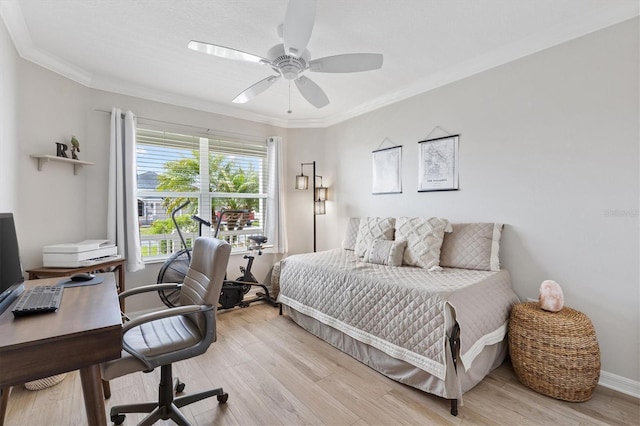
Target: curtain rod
<point x="203" y="130"/>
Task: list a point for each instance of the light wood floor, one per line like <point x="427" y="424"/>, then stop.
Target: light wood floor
<point x="278" y="374"/>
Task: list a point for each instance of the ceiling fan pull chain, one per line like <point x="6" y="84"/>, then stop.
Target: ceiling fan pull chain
<point x="289" y="111"/>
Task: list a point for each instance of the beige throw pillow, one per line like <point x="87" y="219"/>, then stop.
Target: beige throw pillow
<point x="351" y="233"/>
<point x="373" y="228"/>
<point x="385" y="252"/>
<point x="472" y="246"/>
<point x="424" y="237"/>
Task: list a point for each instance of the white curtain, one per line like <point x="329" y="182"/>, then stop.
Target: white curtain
<point x="122" y="207"/>
<point x="275" y="221"/>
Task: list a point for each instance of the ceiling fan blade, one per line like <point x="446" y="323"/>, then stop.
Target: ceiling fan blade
<point x="312" y="92"/>
<point x="225" y="52"/>
<point x="298" y="24"/>
<point x="350" y="62"/>
<point x="256" y="89"/>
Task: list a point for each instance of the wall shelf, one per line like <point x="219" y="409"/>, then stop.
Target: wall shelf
<point x="76" y="163"/>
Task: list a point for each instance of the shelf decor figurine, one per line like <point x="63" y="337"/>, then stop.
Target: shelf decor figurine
<point x="61" y="150"/>
<point x="75" y="147"/>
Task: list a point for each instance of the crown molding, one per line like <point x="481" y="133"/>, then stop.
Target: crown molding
<point x="128" y="89"/>
<point x="12" y="15"/>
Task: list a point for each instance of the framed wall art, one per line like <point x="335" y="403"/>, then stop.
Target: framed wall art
<point x="387" y="171"/>
<point x="438" y="164"/>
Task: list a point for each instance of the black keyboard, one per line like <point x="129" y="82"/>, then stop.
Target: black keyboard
<point x="45" y="298"/>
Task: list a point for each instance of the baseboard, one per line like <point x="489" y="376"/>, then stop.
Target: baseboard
<point x="620" y="384"/>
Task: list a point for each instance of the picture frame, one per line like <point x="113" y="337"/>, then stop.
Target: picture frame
<point x="438" y="164"/>
<point x="387" y="170"/>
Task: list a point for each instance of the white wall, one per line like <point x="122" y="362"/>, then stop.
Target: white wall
<point x="53" y="208"/>
<point x="305" y="146"/>
<point x="8" y="125"/>
<point x="548" y="146"/>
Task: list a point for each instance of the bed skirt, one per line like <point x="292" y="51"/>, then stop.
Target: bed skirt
<point x="452" y="387"/>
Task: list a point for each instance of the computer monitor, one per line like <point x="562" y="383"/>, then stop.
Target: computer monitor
<point x="11" y="274"/>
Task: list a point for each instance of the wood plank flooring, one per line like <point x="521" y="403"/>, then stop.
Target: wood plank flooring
<point x="278" y="374"/>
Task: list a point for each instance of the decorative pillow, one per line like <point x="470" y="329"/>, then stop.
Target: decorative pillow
<point x="351" y="233"/>
<point x="385" y="252"/>
<point x="424" y="237"/>
<point x="373" y="228"/>
<point x="472" y="246"/>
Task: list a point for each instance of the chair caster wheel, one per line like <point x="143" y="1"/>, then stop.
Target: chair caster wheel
<point x="222" y="399"/>
<point x="179" y="388"/>
<point x="118" y="419"/>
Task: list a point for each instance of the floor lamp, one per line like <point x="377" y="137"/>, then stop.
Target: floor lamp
<point x="319" y="194"/>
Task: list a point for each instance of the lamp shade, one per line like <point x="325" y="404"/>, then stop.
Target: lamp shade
<point x="302" y="182"/>
<point x="321" y="193"/>
<point x="319" y="207"/>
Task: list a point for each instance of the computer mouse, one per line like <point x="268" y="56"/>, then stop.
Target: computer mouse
<point x="82" y="276"/>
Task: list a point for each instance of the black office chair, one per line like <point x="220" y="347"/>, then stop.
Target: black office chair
<point x="160" y="338"/>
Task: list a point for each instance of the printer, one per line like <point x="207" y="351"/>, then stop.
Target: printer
<point x="74" y="255"/>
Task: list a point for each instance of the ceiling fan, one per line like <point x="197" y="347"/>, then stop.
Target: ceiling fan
<point x="291" y="58"/>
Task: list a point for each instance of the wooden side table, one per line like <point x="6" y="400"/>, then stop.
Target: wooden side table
<point x="117" y="265"/>
<point x="554" y="353"/>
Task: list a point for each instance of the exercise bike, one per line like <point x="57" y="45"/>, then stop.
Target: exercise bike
<point x="233" y="291"/>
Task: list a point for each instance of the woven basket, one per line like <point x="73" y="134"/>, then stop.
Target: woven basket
<point x="47" y="382"/>
<point x="554" y="353"/>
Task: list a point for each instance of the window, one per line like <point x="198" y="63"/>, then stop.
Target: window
<point x="224" y="181"/>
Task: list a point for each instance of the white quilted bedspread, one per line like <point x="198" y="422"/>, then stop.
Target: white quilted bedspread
<point x="399" y="310"/>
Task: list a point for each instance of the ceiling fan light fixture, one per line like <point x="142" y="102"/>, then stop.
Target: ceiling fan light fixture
<point x="290" y="72"/>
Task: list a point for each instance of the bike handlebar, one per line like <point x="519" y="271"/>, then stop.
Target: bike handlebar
<point x="201" y="220"/>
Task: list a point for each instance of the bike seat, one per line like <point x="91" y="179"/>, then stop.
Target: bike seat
<point x="258" y="239"/>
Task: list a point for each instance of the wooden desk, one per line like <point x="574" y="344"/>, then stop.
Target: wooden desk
<point x="48" y="272"/>
<point x="85" y="331"/>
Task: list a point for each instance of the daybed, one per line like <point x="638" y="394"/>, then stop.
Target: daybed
<point x="409" y="298"/>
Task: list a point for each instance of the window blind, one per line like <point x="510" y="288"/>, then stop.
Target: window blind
<point x="213" y="174"/>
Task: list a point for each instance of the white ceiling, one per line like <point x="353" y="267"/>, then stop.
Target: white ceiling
<point x="139" y="48"/>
